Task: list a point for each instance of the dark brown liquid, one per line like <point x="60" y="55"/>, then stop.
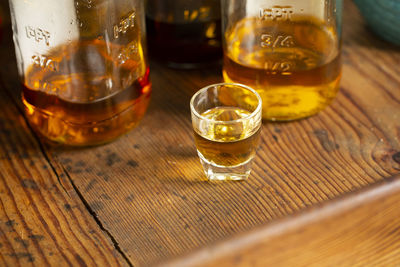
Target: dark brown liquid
<point x="77" y="103"/>
<point x="185" y="44"/>
<point x="1" y="23"/>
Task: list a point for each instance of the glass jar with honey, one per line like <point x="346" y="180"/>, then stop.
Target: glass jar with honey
<point x="289" y="51"/>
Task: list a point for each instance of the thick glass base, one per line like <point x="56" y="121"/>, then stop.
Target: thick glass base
<point x="226" y="173"/>
<point x="57" y="129"/>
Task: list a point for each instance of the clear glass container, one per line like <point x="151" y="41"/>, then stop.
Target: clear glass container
<point x="289" y="51"/>
<point x="184" y="33"/>
<point x="226" y="120"/>
<point x="83" y="67"/>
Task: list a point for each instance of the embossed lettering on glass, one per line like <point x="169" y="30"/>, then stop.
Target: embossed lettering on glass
<point x="289" y="51"/>
<point x="83" y="67"/>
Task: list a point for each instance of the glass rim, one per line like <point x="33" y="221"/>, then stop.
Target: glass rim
<point x="252" y="114"/>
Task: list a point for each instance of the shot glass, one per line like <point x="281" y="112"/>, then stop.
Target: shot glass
<point x="226" y="121"/>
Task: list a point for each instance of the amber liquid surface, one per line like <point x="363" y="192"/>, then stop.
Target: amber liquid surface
<point x="86" y="97"/>
<point x="185" y="45"/>
<point x="227" y="144"/>
<point x="294" y="65"/>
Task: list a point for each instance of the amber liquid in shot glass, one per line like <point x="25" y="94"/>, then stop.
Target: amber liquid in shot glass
<point x="226" y="131"/>
<point x="227" y="144"/>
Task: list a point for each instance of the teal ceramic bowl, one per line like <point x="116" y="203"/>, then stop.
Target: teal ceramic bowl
<point x="383" y="16"/>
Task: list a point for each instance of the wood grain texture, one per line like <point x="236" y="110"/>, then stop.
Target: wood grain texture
<point x="43" y="222"/>
<point x="147" y="189"/>
<point x="361" y="229"/>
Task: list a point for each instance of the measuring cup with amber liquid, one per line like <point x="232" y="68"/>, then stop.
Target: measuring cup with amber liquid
<point x="289" y="51"/>
<point x="83" y="67"/>
<point x="184" y="33"/>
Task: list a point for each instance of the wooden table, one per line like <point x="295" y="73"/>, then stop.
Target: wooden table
<point x="323" y="191"/>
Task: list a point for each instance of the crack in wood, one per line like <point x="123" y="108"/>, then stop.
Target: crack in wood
<point x="98" y="222"/>
<point x="59" y="177"/>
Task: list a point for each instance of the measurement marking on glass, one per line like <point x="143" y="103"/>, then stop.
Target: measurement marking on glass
<point x="270" y="41"/>
<point x="38" y="34"/>
<point x="45" y="62"/>
<point x="276" y="13"/>
<point x="283" y="67"/>
<point x="123" y="26"/>
<point x="127" y="53"/>
<point x="200" y="14"/>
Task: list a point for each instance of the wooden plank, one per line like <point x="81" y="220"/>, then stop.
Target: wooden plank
<point x="42" y="220"/>
<point x="358" y="230"/>
<point x="148" y="191"/>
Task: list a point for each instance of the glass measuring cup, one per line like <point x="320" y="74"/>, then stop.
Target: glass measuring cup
<point x="289" y="51"/>
<point x="83" y="67"/>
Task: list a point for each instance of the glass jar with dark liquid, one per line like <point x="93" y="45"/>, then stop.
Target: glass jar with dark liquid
<point x="83" y="67"/>
<point x="184" y="33"/>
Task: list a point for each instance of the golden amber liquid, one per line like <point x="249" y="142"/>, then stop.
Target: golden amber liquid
<point x="294" y="65"/>
<point x="90" y="96"/>
<point x="227" y="144"/>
